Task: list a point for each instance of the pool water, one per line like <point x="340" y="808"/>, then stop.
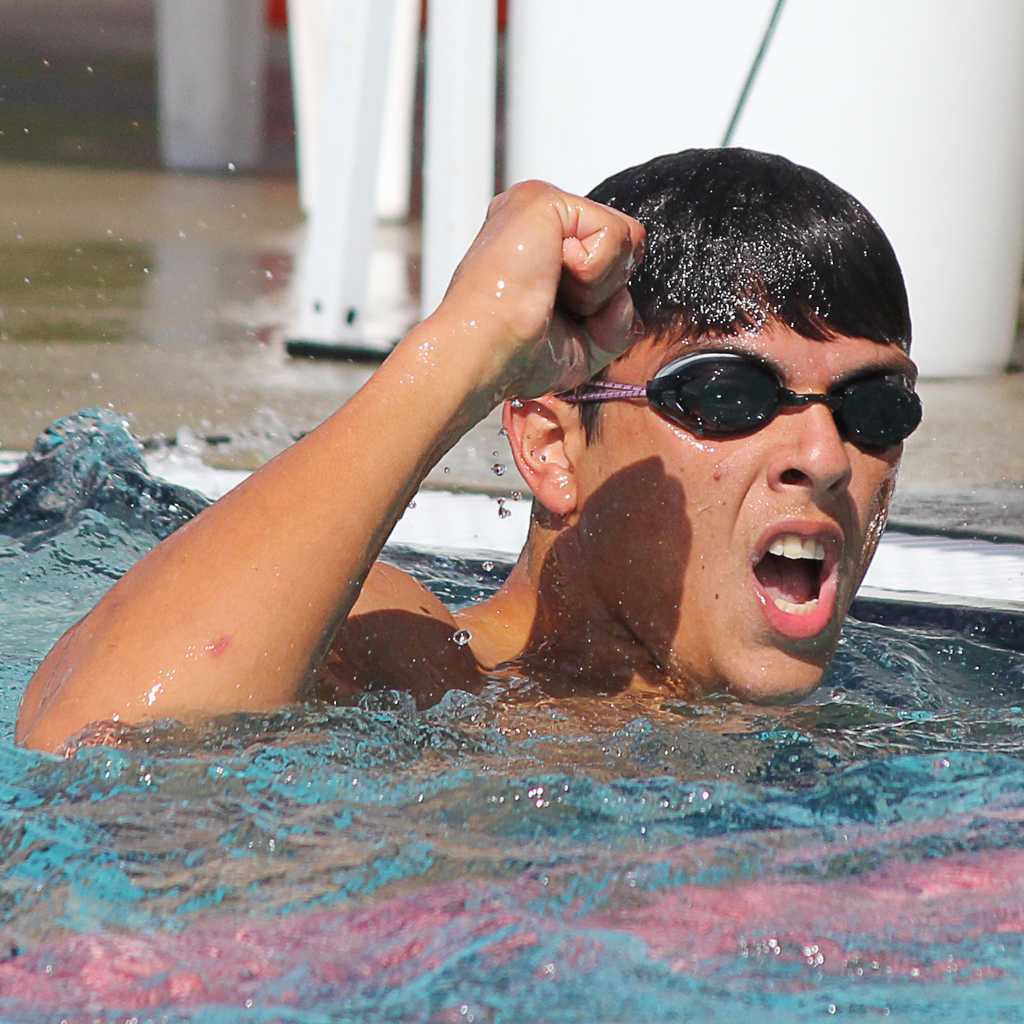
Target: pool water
<point x="502" y="856"/>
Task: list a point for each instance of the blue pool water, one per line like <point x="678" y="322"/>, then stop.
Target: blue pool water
<point x="501" y="856"/>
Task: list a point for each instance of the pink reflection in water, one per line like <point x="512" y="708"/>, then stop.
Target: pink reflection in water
<point x="834" y="926"/>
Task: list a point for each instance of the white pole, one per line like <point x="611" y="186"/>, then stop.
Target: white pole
<point x="396" y="153"/>
<point x="308" y="23"/>
<point x="458" y="159"/>
<point x="334" y="263"/>
<point x="308" y="37"/>
<point x="210" y="61"/>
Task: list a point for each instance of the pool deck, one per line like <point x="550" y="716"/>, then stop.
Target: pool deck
<point x="168" y="297"/>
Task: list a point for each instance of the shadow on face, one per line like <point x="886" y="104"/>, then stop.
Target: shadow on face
<point x="611" y="586"/>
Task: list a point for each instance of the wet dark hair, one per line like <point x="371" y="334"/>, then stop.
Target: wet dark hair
<point x="737" y="238"/>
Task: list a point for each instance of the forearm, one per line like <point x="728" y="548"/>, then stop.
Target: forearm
<point x="232" y="610"/>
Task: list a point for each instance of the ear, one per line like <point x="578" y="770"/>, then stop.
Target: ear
<point x="544" y="435"/>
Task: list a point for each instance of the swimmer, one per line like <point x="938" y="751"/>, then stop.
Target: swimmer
<point x="705" y="381"/>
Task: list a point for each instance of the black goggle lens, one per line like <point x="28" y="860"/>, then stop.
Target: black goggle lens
<point x="734" y="395"/>
<point x="720" y="398"/>
<point x="877" y="411"/>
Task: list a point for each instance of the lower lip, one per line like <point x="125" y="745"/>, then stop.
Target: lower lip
<point x="795" y="626"/>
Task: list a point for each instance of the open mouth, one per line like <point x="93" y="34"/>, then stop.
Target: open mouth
<point x="795" y="579"/>
<point x="790" y="573"/>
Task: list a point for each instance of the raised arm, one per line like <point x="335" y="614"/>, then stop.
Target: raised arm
<point x="233" y="610"/>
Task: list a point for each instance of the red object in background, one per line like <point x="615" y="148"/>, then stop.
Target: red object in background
<point x="277" y="13"/>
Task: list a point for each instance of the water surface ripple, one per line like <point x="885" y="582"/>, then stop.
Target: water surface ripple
<point x="502" y="856"/>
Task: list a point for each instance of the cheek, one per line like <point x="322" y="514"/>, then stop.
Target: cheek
<point x="684" y="440"/>
<point x="658" y="493"/>
<point x="874" y="479"/>
<point x="718" y="478"/>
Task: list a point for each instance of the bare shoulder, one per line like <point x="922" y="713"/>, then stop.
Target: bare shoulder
<point x="398" y="635"/>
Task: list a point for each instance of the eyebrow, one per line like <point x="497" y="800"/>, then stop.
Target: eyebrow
<point x="906" y="368"/>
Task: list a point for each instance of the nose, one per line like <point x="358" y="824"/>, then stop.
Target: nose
<point x="811" y="453"/>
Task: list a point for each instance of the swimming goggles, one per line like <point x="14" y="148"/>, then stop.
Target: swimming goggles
<point x="719" y="394"/>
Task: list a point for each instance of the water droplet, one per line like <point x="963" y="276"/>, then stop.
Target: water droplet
<point x="516" y="495"/>
<point x="488" y="567"/>
<point x="516" y="403"/>
<point x="231" y="165"/>
<point x="461" y="637"/>
<point x="412" y="504"/>
<point x="446" y="470"/>
<point x="498" y="469"/>
<point x="503" y="512"/>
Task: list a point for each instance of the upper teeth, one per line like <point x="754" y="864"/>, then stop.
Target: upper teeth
<point x="789" y="545"/>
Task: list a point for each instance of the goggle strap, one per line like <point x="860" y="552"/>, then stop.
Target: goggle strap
<point x="603" y="391"/>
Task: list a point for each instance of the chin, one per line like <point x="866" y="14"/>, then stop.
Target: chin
<point x="773" y="680"/>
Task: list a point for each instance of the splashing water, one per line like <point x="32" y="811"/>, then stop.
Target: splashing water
<point x="500" y="856"/>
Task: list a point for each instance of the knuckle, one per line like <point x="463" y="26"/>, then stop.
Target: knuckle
<point x="521" y="195"/>
<point x="534" y="186"/>
<point x="532" y="190"/>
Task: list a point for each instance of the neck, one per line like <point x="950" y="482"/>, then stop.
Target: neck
<point x="550" y="621"/>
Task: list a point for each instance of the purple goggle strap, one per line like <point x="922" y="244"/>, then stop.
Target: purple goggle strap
<point x="603" y="391"/>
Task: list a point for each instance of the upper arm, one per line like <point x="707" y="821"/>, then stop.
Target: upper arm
<point x="39" y="695"/>
<point x="398" y="635"/>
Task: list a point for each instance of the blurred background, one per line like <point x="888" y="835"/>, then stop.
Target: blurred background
<point x="216" y="216"/>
